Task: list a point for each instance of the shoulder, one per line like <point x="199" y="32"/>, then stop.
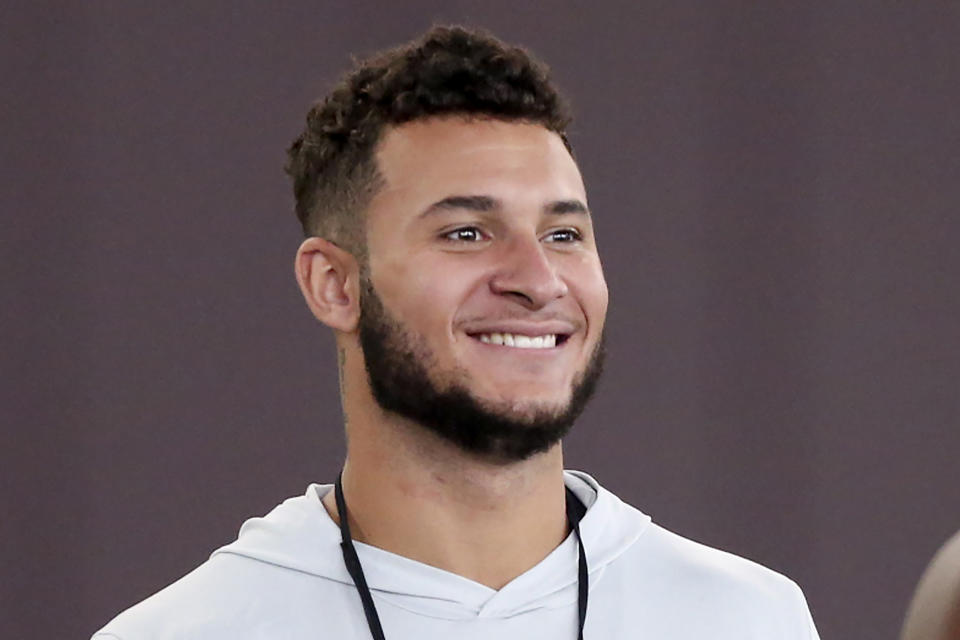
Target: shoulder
<point x="172" y="611"/>
<point x="217" y="600"/>
<point x="723" y="587"/>
<point x="677" y="587"/>
<point x="274" y="569"/>
<point x="691" y="561"/>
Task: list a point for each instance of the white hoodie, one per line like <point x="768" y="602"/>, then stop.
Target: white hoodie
<point x="284" y="578"/>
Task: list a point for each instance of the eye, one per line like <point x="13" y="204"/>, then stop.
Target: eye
<point x="564" y="236"/>
<point x="464" y="234"/>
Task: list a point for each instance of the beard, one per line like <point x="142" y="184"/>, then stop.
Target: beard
<point x="398" y="369"/>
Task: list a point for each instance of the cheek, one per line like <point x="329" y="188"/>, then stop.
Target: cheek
<point x="602" y="294"/>
<point x="426" y="294"/>
<point x="591" y="289"/>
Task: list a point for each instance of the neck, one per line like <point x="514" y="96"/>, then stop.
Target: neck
<point x="410" y="493"/>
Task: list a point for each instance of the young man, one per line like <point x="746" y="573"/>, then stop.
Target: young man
<point x="451" y="250"/>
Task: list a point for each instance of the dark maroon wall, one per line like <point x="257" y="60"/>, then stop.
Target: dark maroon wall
<point x="776" y="194"/>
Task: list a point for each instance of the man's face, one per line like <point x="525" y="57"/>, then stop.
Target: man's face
<point x="484" y="301"/>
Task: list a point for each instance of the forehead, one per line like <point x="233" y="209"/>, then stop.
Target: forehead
<point x="426" y="160"/>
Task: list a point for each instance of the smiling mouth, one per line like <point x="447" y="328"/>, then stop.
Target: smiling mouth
<point x="519" y="341"/>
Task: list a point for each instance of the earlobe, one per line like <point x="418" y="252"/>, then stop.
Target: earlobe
<point x="329" y="281"/>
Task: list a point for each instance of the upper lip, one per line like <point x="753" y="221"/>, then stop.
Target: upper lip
<point x="523" y="328"/>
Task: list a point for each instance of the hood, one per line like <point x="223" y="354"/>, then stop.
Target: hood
<point x="299" y="535"/>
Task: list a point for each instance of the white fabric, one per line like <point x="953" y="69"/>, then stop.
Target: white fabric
<point x="284" y="577"/>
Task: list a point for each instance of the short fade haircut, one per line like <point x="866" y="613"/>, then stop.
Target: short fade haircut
<point x="448" y="71"/>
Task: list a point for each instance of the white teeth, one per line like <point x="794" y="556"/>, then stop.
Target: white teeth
<point x="548" y="341"/>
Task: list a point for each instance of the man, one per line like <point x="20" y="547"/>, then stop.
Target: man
<point x="450" y="248"/>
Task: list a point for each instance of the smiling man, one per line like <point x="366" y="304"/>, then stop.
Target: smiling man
<point x="450" y="247"/>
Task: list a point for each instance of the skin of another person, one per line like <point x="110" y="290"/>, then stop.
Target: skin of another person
<point x="934" y="612"/>
<point x="480" y="226"/>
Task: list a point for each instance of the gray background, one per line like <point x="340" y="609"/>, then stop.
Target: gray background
<point x="775" y="187"/>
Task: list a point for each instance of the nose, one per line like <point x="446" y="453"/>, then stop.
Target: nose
<point x="527" y="275"/>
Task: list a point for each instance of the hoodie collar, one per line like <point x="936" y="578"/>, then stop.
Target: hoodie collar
<point x="299" y="535"/>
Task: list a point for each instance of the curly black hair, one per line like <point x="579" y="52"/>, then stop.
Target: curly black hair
<point x="448" y="71"/>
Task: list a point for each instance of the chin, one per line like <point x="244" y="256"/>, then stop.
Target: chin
<point x="517" y="384"/>
<point x="529" y="405"/>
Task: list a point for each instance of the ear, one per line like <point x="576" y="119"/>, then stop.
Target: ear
<point x="329" y="279"/>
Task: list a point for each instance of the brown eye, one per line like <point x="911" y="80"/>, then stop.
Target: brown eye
<point x="464" y="234"/>
<point x="564" y="235"/>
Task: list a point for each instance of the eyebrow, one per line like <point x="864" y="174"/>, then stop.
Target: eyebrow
<point x="567" y="206"/>
<point x="487" y="203"/>
<point x="470" y="203"/>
